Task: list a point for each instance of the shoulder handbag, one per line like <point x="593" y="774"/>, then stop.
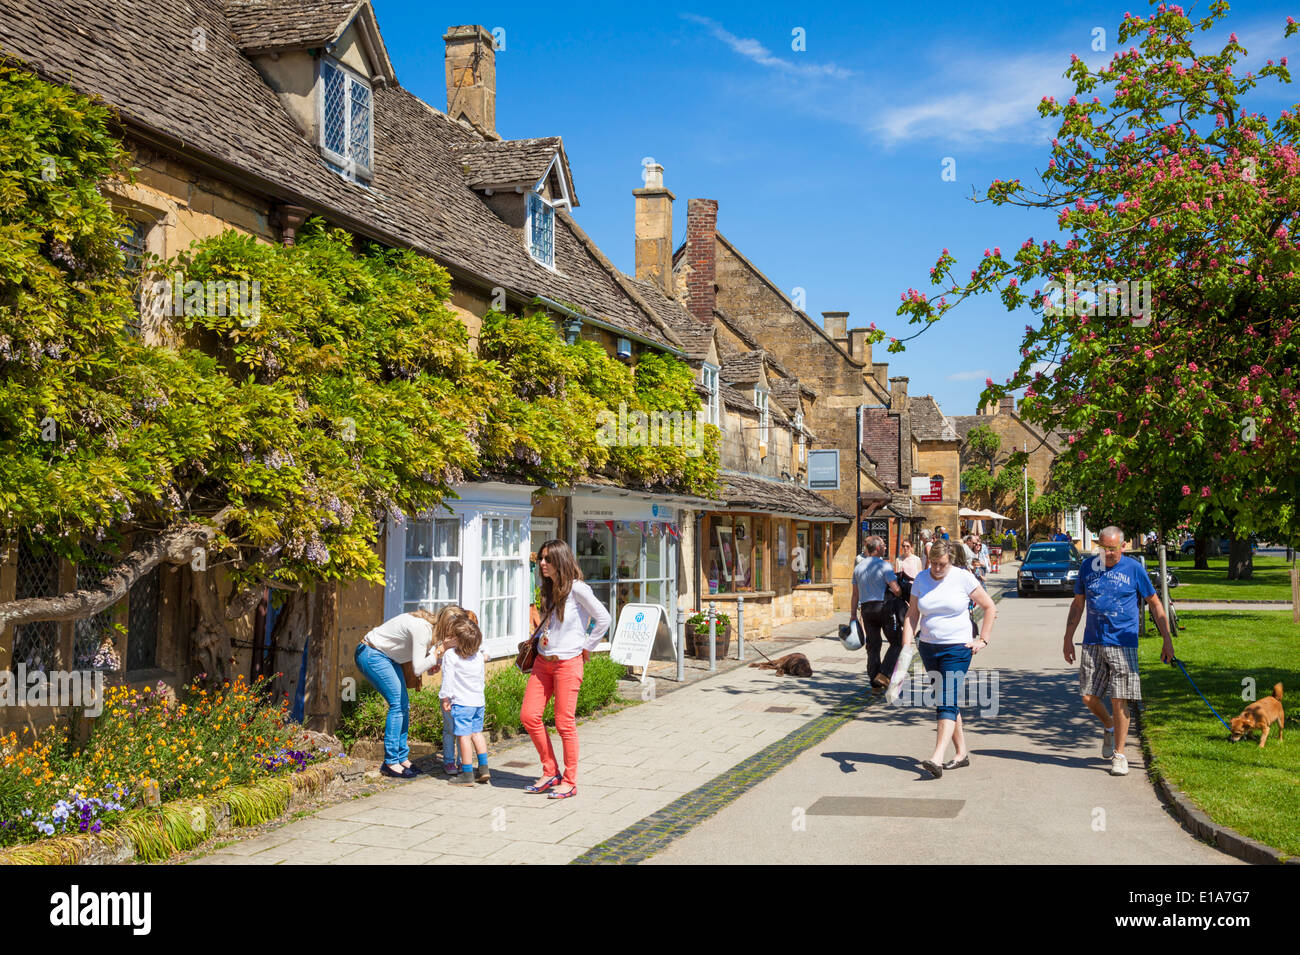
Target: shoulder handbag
<point x="413" y="681"/>
<point x="527" y="655"/>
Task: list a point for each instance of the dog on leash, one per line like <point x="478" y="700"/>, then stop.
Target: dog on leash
<point x="792" y="664"/>
<point x="1261" y="715"/>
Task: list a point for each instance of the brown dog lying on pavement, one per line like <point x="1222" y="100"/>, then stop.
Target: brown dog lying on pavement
<point x="792" y="664"/>
<point x="1261" y="715"/>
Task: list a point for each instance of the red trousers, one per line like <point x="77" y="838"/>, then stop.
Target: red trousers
<point x="561" y="680"/>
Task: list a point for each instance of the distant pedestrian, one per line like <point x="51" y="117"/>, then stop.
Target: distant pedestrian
<point x="939" y="619"/>
<point x="1112" y="587"/>
<point x="574" y="622"/>
<point x="405" y="639"/>
<point x="871" y="579"/>
<point x="980" y="564"/>
<point x="907" y="564"/>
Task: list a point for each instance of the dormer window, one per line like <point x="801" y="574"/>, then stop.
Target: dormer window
<point x="347" y="120"/>
<point x="760" y="399"/>
<point x="541" y="230"/>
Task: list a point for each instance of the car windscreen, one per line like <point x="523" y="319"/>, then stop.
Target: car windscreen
<point x="1048" y="554"/>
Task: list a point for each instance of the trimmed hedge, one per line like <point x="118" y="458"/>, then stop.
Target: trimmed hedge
<point x="504" y="692"/>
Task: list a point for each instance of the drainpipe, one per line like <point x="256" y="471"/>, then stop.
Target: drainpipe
<point x="699" y="527"/>
<point x="857" y="470"/>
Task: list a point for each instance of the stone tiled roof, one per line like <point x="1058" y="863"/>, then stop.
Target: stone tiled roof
<point x="265" y="25"/>
<point x="745" y="368"/>
<point x="736" y="400"/>
<point x="512" y="162"/>
<point x="778" y="497"/>
<point x="216" y="109"/>
<point x="966" y="423"/>
<point x="694" y="335"/>
<point x="928" y="422"/>
<point x="789" y="390"/>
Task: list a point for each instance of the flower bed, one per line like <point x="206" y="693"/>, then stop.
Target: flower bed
<point x="149" y="761"/>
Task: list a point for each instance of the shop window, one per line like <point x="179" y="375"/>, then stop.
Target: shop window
<point x="810" y="560"/>
<point x="432" y="566"/>
<point x="501" y="578"/>
<point x="628" y="562"/>
<point x="737" y="552"/>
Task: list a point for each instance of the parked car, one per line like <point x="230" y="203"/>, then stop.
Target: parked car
<point x="1225" y="547"/>
<point x="1050" y="567"/>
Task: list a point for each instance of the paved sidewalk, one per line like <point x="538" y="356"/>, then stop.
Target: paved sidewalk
<point x="1037" y="790"/>
<point x="633" y="763"/>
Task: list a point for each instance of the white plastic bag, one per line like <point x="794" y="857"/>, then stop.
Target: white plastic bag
<point x="902" y="672"/>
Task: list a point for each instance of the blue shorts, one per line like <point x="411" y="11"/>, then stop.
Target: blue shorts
<point x="467" y="719"/>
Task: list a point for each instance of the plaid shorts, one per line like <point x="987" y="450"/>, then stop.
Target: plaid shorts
<point x="1112" y="671"/>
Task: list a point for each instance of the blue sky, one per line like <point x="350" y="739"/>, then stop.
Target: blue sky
<point x="826" y="162"/>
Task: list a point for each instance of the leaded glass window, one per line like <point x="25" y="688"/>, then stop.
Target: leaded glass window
<point x="36" y="644"/>
<point x="133" y="253"/>
<point x="541" y="230"/>
<point x="347" y="120"/>
<point x="142" y="625"/>
<point x="93" y="637"/>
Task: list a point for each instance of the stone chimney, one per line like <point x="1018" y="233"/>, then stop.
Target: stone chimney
<point x="837" y="326"/>
<point x="654" y="229"/>
<point x="701" y="257"/>
<point x="1007" y="405"/>
<point x="472" y="77"/>
<point x="898" y="394"/>
<point x="859" y="347"/>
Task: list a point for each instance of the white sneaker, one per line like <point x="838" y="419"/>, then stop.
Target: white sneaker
<point x="1107" y="744"/>
<point x="1119" y="765"/>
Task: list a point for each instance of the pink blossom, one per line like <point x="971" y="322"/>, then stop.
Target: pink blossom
<point x="1186" y="490"/>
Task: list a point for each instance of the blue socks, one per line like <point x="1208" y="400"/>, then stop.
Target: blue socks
<point x="466" y="768"/>
<point x="482" y="760"/>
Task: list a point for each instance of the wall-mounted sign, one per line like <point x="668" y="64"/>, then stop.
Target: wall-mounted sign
<point x="824" y="470"/>
<point x="936" y="490"/>
<point x="920" y="486"/>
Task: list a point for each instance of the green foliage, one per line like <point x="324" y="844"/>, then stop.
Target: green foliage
<point x="556" y="397"/>
<point x="1181" y="405"/>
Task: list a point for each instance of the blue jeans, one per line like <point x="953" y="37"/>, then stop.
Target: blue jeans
<point x="386" y="675"/>
<point x="948" y="663"/>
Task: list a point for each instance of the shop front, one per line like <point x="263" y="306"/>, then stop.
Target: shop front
<point x="473" y="552"/>
<point x="774" y="546"/>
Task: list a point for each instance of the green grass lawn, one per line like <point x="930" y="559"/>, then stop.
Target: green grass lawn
<point x="1238" y="785"/>
<point x="1269" y="582"/>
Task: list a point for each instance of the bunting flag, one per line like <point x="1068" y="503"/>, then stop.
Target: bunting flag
<point x="610" y="525"/>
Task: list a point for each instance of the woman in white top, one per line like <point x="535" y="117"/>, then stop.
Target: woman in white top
<point x="407" y="638"/>
<point x="573" y="623"/>
<point x="941" y="595"/>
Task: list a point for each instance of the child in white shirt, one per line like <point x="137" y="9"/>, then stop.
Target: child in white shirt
<point x="463" y="703"/>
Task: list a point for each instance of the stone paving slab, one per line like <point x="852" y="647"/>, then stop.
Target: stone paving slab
<point x="633" y="763"/>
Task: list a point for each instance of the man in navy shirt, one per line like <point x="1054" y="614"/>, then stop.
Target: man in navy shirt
<point x="1112" y="588"/>
<point x="871" y="579"/>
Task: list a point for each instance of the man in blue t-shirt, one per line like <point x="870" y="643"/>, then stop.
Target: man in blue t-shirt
<point x="872" y="578"/>
<point x="1112" y="588"/>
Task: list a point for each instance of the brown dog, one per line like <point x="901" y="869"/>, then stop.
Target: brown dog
<point x="792" y="664"/>
<point x="1261" y="715"/>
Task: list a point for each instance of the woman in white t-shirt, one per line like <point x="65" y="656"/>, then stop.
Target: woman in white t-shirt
<point x="938" y="612"/>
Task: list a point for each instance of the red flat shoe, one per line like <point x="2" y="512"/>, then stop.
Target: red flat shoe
<point x="553" y="781"/>
<point x="571" y="792"/>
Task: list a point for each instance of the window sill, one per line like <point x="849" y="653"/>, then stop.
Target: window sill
<point x="814" y="587"/>
<point x="743" y="593"/>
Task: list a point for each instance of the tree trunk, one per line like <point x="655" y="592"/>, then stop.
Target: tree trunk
<point x="1202" y="550"/>
<point x="321" y="711"/>
<point x="1241" y="564"/>
<point x="210" y="640"/>
<point x="288" y="636"/>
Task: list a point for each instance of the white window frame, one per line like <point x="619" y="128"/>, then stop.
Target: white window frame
<point x="803" y="442"/>
<point x="474" y="504"/>
<point x="531" y="196"/>
<point x="760" y="399"/>
<point x="349" y="167"/>
<point x="709" y="378"/>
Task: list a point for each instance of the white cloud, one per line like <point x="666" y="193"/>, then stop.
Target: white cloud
<point x="753" y="50"/>
<point x="979" y="375"/>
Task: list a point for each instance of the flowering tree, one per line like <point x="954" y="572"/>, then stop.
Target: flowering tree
<point x="1167" y="347"/>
